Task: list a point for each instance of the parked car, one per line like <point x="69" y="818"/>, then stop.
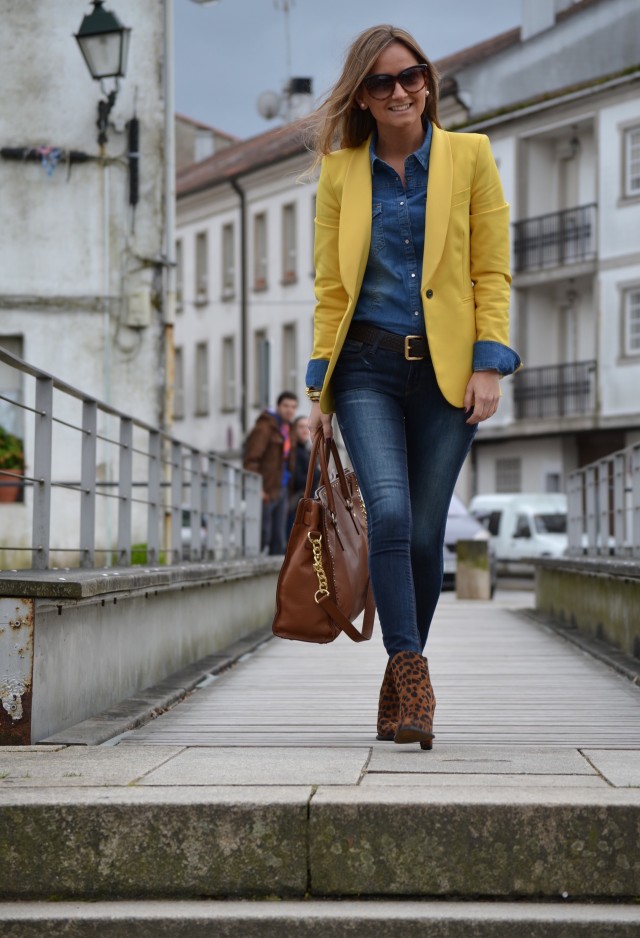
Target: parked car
<point x="523" y="526"/>
<point x="462" y="526"/>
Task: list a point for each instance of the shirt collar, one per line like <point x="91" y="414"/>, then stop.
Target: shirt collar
<point x="421" y="154"/>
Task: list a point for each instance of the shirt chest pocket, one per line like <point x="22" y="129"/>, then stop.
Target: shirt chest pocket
<point x="377" y="228"/>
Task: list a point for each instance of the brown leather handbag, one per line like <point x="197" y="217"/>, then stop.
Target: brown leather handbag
<point x="324" y="581"/>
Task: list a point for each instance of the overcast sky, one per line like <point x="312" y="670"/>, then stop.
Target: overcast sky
<point x="227" y="53"/>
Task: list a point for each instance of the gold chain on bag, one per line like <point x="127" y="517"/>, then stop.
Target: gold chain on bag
<point x="323" y="584"/>
<point x="362" y="505"/>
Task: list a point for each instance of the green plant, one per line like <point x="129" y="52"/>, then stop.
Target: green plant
<point x="11" y="452"/>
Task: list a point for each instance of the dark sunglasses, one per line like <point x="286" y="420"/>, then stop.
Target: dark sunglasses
<point x="382" y="86"/>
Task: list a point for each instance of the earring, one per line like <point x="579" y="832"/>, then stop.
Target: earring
<point x="363" y="106"/>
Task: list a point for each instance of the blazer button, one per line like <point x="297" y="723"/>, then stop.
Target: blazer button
<point x="429" y="294"/>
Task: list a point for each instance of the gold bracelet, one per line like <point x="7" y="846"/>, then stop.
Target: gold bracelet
<point x="313" y="394"/>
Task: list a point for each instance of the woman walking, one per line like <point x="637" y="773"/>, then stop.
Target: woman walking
<point x="410" y="330"/>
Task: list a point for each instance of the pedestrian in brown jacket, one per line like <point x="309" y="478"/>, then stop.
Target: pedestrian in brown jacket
<point x="267" y="452"/>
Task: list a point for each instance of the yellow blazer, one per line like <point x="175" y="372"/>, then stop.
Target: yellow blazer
<point x="465" y="270"/>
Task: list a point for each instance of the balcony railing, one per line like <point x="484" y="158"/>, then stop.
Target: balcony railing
<point x="555" y="240"/>
<point x="555" y="390"/>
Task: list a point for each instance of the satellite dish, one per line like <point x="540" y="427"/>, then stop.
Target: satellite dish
<point x="269" y="104"/>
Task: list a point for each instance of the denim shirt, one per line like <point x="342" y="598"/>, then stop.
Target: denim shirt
<point x="389" y="297"/>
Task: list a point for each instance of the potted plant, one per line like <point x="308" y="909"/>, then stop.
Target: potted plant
<point x="11" y="466"/>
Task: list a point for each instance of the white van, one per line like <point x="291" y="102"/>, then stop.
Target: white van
<point x="523" y="526"/>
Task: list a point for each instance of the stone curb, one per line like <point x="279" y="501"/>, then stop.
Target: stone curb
<point x="257" y="842"/>
<point x="152" y="701"/>
<point x="312" y="919"/>
<point x="75" y="584"/>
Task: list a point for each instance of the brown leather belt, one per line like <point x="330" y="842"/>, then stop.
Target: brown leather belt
<point x="413" y="347"/>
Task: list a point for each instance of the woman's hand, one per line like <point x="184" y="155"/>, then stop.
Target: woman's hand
<point x="483" y="395"/>
<point x="318" y="419"/>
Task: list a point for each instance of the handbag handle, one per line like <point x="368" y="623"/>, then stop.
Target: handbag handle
<point x="324" y="450"/>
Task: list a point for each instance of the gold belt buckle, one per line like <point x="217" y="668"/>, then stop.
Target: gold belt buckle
<point x="407" y="349"/>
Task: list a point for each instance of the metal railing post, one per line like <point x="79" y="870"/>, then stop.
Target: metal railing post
<point x="195" y="504"/>
<point x="604" y="521"/>
<point x="125" y="489"/>
<point x="619" y="464"/>
<point x="210" y="508"/>
<point x="176" y="502"/>
<point x="41" y="525"/>
<point x="635" y="499"/>
<point x="154" y="497"/>
<point x="592" y="509"/>
<point x="88" y="484"/>
<point x="575" y="520"/>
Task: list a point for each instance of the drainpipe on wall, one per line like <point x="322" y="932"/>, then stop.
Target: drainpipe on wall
<point x="169" y="299"/>
<point x="243" y="307"/>
<point x="167" y="363"/>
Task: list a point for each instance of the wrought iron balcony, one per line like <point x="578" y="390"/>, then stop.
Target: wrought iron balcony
<point x="555" y="239"/>
<point x="555" y="390"/>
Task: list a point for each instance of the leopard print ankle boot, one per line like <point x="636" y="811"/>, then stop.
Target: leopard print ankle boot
<point x="388" y="707"/>
<point x="417" y="700"/>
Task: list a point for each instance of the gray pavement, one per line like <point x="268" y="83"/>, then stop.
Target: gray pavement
<point x="266" y="779"/>
<point x="518" y="708"/>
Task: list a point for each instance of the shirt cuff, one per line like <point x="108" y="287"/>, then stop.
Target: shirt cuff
<point x="488" y="356"/>
<point x="316" y="371"/>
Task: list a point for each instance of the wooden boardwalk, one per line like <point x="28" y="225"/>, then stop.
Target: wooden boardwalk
<point x="499" y="680"/>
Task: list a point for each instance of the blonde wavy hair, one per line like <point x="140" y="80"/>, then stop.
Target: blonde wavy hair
<point x="339" y="122"/>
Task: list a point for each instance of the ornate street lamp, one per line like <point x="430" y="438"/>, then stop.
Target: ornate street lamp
<point x="104" y="43"/>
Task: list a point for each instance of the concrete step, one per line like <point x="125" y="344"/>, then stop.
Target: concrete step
<point x="333" y="841"/>
<point x="313" y="919"/>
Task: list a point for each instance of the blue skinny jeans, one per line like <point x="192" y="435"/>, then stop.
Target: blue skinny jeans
<point x="407" y="445"/>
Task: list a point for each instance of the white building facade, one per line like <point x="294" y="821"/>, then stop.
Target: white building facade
<point x="216" y="398"/>
<point x="82" y="279"/>
<point x="569" y="158"/>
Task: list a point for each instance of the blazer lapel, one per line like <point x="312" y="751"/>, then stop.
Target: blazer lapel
<point x="355" y="220"/>
<point x="438" y="202"/>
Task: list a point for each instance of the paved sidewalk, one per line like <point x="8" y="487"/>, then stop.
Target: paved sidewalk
<point x="266" y="781"/>
<point x="518" y="708"/>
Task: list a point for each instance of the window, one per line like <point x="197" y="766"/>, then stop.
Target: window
<point x="260" y="251"/>
<point x="289" y="266"/>
<point x="179" y="277"/>
<point x="11" y="387"/>
<point x="178" y="385"/>
<point x="632" y="162"/>
<point x="228" y="263"/>
<point x="202" y="379"/>
<point x="631" y="303"/>
<point x="289" y="357"/>
<point x="509" y="475"/>
<point x="261" y="368"/>
<point x="553" y="482"/>
<point x="228" y="396"/>
<point x="202" y="268"/>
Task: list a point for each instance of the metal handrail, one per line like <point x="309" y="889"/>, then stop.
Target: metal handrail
<point x="224" y="501"/>
<point x="603" y="501"/>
